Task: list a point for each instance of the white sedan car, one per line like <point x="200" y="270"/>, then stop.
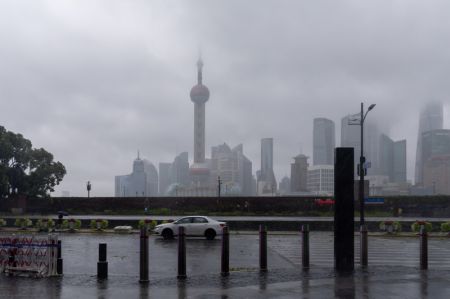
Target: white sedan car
<point x="193" y="226"/>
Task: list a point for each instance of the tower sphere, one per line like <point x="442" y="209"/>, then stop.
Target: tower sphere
<point x="199" y="93"/>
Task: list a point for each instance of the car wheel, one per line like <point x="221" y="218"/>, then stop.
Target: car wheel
<point x="167" y="234"/>
<point x="210" y="234"/>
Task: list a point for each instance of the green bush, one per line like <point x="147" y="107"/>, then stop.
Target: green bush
<point x="103" y="224"/>
<point x="77" y="223"/>
<point x="396" y="226"/>
<point x="23" y="222"/>
<point x="41" y="224"/>
<point x="151" y="224"/>
<point x="445" y="227"/>
<point x="415" y="227"/>
<point x="2" y="222"/>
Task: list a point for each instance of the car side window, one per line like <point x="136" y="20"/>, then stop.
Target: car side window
<point x="184" y="221"/>
<point x="200" y="220"/>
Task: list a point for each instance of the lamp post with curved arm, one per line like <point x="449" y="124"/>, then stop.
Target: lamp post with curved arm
<point x="361" y="166"/>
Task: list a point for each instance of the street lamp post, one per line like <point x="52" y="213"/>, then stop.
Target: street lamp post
<point x="361" y="166"/>
<point x="219" y="183"/>
<point x="88" y="188"/>
<point x="362" y="171"/>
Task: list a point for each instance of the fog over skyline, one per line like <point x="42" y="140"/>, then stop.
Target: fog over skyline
<point x="93" y="82"/>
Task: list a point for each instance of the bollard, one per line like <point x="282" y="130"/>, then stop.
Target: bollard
<point x="59" y="261"/>
<point x="143" y="262"/>
<point x="12" y="262"/>
<point x="181" y="253"/>
<point x="363" y="245"/>
<point x="262" y="249"/>
<point x="225" y="265"/>
<point x="102" y="265"/>
<point x="305" y="246"/>
<point x="423" y="248"/>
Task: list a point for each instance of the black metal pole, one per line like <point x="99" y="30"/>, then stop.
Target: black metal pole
<point x="59" y="261"/>
<point x="305" y="246"/>
<point x="361" y="171"/>
<point x="423" y="248"/>
<point x="102" y="265"/>
<point x="143" y="263"/>
<point x="262" y="248"/>
<point x="181" y="253"/>
<point x="225" y="260"/>
<point x="364" y="246"/>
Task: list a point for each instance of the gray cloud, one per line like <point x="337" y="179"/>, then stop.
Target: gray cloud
<point x="94" y="81"/>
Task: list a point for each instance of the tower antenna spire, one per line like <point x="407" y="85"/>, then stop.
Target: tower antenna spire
<point x="199" y="68"/>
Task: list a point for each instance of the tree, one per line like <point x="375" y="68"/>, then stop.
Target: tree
<point x="25" y="170"/>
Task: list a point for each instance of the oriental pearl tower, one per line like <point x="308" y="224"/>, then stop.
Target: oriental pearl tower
<point x="199" y="95"/>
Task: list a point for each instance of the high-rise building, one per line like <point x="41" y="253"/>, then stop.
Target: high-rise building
<point x="392" y="159"/>
<point x="323" y="141"/>
<point x="199" y="171"/>
<point x="266" y="182"/>
<point x="299" y="174"/>
<point x="436" y="174"/>
<point x="386" y="156"/>
<point x="266" y="156"/>
<point x="248" y="188"/>
<point x="233" y="168"/>
<point x="351" y="137"/>
<point x="435" y="143"/>
<point x="143" y="180"/>
<point x="320" y="180"/>
<point x="431" y="118"/>
<point x="399" y="161"/>
<point x="179" y="170"/>
<point x="285" y="186"/>
<point x="165" y="178"/>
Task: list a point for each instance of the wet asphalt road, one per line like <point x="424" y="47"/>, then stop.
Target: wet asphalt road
<point x="393" y="270"/>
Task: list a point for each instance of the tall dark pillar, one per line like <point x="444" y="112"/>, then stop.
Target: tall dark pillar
<point x="344" y="209"/>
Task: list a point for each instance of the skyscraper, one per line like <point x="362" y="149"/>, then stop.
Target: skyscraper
<point x="299" y="174"/>
<point x="179" y="171"/>
<point x="320" y="180"/>
<point x="323" y="141"/>
<point x="266" y="178"/>
<point x="164" y="177"/>
<point x="351" y="137"/>
<point x="435" y="143"/>
<point x="199" y="95"/>
<point x="399" y="161"/>
<point x="233" y="168"/>
<point x="266" y="156"/>
<point x="393" y="159"/>
<point x="431" y="118"/>
<point x="143" y="180"/>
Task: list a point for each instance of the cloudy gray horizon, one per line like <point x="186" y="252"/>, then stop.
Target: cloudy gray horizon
<point x="93" y="82"/>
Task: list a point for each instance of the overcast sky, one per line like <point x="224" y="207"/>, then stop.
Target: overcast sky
<point x="94" y="81"/>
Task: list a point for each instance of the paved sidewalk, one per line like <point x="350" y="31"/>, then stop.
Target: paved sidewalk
<point x="392" y="272"/>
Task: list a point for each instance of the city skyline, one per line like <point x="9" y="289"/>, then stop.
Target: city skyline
<point x="92" y="90"/>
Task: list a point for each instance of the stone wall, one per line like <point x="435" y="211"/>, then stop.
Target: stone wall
<point x="426" y="206"/>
